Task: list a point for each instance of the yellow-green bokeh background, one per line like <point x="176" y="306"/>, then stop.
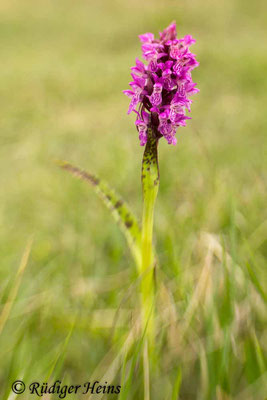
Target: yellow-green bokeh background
<point x="63" y="67"/>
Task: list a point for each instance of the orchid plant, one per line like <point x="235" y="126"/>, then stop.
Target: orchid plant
<point x="160" y="97"/>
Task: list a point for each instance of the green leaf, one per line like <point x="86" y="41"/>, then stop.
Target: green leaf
<point x="119" y="209"/>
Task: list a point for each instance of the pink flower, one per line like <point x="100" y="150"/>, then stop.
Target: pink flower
<point x="161" y="89"/>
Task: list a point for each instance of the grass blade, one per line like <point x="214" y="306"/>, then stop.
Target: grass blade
<point x="14" y="290"/>
<point x="177" y="385"/>
<point x="255" y="282"/>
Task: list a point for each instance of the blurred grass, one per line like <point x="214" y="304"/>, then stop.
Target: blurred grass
<point x="64" y="66"/>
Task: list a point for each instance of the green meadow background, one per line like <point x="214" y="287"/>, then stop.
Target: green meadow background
<point x="68" y="312"/>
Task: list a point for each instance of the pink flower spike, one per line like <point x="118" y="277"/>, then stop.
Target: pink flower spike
<point x="161" y="89"/>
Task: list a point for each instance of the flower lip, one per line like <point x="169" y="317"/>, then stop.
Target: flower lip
<point x="161" y="89"/>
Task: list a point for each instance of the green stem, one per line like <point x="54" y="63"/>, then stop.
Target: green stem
<point x="150" y="185"/>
